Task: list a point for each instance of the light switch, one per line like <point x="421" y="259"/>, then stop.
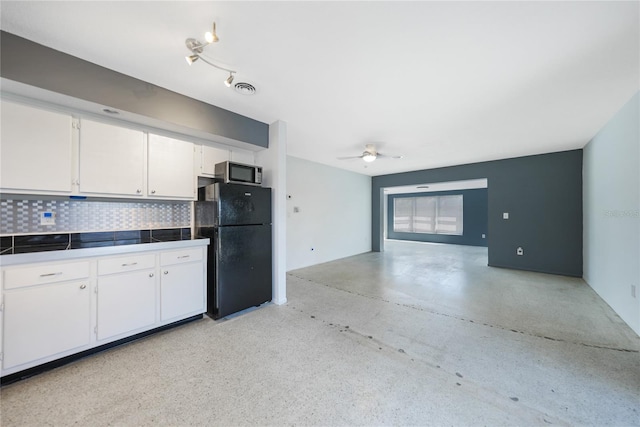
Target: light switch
<point x="505" y="215"/>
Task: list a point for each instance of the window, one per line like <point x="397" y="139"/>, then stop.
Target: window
<point x="434" y="214"/>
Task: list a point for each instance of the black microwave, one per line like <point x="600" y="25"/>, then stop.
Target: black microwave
<point x="238" y="173"/>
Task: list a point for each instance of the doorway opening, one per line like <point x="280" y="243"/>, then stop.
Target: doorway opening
<point x="453" y="212"/>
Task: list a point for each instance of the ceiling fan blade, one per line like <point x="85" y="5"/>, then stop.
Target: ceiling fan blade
<point x="388" y="156"/>
<point x="370" y="154"/>
<point x="349" y="157"/>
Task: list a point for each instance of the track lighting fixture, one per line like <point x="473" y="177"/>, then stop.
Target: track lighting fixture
<point x="197" y="48"/>
<point x="229" y="80"/>
<point x="211" y="37"/>
<point x="191" y="59"/>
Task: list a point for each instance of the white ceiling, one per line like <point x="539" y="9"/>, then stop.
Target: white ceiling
<point x="440" y="83"/>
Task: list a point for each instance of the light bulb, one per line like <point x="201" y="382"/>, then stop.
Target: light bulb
<point x="191" y="59"/>
<point x="229" y="80"/>
<point x="211" y="37"/>
<point x="368" y="157"/>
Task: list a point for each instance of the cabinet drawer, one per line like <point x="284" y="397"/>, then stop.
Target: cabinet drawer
<point x="178" y="257"/>
<point x="126" y="263"/>
<point x="42" y="274"/>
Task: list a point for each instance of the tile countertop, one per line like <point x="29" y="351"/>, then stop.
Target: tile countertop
<point x="64" y="255"/>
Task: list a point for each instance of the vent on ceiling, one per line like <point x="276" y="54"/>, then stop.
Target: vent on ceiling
<point x="245" y="88"/>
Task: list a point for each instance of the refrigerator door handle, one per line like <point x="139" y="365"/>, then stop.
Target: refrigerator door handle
<point x="217" y="287"/>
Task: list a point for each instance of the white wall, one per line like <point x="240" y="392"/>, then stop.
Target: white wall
<point x="611" y="203"/>
<point x="274" y="164"/>
<point x="334" y="218"/>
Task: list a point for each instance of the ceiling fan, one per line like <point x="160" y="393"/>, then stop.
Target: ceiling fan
<point x="369" y="155"/>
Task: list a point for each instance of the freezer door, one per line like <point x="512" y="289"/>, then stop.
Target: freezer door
<point x="243" y="268"/>
<point x="243" y="204"/>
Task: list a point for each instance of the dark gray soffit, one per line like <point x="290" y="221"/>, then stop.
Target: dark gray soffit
<point x="36" y="65"/>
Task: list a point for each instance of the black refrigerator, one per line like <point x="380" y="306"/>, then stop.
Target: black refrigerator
<point x="237" y="219"/>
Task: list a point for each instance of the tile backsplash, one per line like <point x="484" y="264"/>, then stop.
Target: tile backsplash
<point x="22" y="216"/>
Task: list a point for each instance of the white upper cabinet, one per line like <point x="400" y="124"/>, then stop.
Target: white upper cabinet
<point x="45" y="152"/>
<point x="35" y="150"/>
<point x="209" y="156"/>
<point x="171" y="166"/>
<point x="111" y="159"/>
<point x="243" y="156"/>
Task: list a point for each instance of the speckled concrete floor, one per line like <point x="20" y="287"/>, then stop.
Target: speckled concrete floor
<point x="419" y="335"/>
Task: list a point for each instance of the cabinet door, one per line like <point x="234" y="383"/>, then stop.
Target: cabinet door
<point x="243" y="156"/>
<point x="111" y="159"/>
<point x="36" y="149"/>
<point x="209" y="157"/>
<point x="171" y="172"/>
<point x="182" y="291"/>
<point x="126" y="302"/>
<point x="45" y="320"/>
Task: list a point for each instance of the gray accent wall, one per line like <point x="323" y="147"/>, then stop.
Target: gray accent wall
<point x="32" y="64"/>
<point x="612" y="213"/>
<point x="541" y="193"/>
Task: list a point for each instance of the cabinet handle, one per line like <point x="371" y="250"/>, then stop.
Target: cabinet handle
<point x="184" y="256"/>
<point x="166" y="272"/>
<point x="138" y="191"/>
<point x="51" y="274"/>
<point x="153" y="191"/>
<point x="83" y="286"/>
<point x="150" y="274"/>
<point x="129" y="264"/>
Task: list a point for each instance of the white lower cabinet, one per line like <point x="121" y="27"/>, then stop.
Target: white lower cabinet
<point x="45" y="320"/>
<point x="52" y="310"/>
<point x="126" y="303"/>
<point x="181" y="284"/>
<point x="126" y="295"/>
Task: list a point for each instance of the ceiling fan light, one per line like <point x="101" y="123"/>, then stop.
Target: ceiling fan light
<point x="368" y="157"/>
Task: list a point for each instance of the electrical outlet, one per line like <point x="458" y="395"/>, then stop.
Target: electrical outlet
<point x="505" y="215"/>
<point x="633" y="291"/>
<point x="484" y="236"/>
<point x="519" y="251"/>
